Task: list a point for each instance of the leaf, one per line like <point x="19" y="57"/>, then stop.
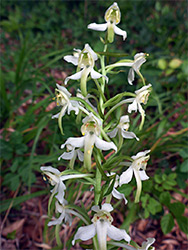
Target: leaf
<point x="177" y="208"/>
<point x="184" y="153"/>
<point x="167" y="223"/>
<point x="4" y="205"/>
<point x="183" y="223"/>
<point x="184" y="166"/>
<point x="165" y="198"/>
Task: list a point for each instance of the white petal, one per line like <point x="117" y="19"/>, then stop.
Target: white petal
<point x="67" y="155"/>
<point x="137" y="55"/>
<point x="99" y="27"/>
<point x="51" y="170"/>
<point x="126" y="176"/>
<point x="73" y="105"/>
<point x="71" y="59"/>
<point x="143" y="89"/>
<point x="143" y="175"/>
<point x="138" y="63"/>
<point x="96" y="75"/>
<point x="107" y="207"/>
<point x="57" y="221"/>
<point x="132" y="106"/>
<point x="103" y="145"/>
<point x="129" y="135"/>
<point x="56" y="115"/>
<point x="118" y="195"/>
<point x="95" y="208"/>
<point x="76" y="76"/>
<point x="131" y="76"/>
<point x="63" y="89"/>
<point x="80" y="155"/>
<point x="147" y="244"/>
<point x="141" y="110"/>
<point x="85" y="233"/>
<point x="120" y="32"/>
<point x="117" y="234"/>
<point x="77" y="142"/>
<point x="113" y="133"/>
<point x="124" y="119"/>
<point x="94" y="55"/>
<point x="140" y="154"/>
<point x="61" y="192"/>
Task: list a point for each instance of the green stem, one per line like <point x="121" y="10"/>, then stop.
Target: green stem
<point x="141" y="76"/>
<point x="58" y="240"/>
<point x="116" y="106"/>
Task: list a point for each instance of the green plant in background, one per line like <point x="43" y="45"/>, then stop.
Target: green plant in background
<point x="27" y="81"/>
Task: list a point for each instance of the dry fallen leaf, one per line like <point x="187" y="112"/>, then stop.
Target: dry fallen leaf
<point x="16" y="226"/>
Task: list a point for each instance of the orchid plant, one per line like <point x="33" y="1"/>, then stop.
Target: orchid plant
<point x="104" y="172"/>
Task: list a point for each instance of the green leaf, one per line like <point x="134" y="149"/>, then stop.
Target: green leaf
<point x="167" y="223"/>
<point x="184" y="166"/>
<point x="177" y="208"/>
<point x="184" y="153"/>
<point x="165" y="198"/>
<point x="183" y="223"/>
<point x="157" y="178"/>
<point x="5" y="150"/>
<point x="4" y="205"/>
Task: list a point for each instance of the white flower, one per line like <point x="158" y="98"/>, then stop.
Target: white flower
<point x="91" y="131"/>
<point x="147" y="244"/>
<point x="112" y="18"/>
<point x="135" y="65"/>
<point x="115" y="193"/>
<point x="141" y="97"/>
<point x="101" y="226"/>
<point x="137" y="167"/>
<point x="56" y="179"/>
<point x="139" y="59"/>
<point x="65" y="214"/>
<point x="122" y="128"/>
<point x="63" y="99"/>
<point x="85" y="60"/>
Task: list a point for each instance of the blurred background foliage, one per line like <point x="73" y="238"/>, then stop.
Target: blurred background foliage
<point x="35" y="35"/>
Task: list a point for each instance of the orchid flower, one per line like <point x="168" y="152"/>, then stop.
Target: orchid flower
<point x="85" y="60"/>
<point x="135" y="65"/>
<point x="101" y="226"/>
<point x="112" y="18"/>
<point x="122" y="128"/>
<point x="63" y="99"/>
<point x="56" y="179"/>
<point x="65" y="214"/>
<point x="90" y="131"/>
<point x="141" y="97"/>
<point x="137" y="167"/>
